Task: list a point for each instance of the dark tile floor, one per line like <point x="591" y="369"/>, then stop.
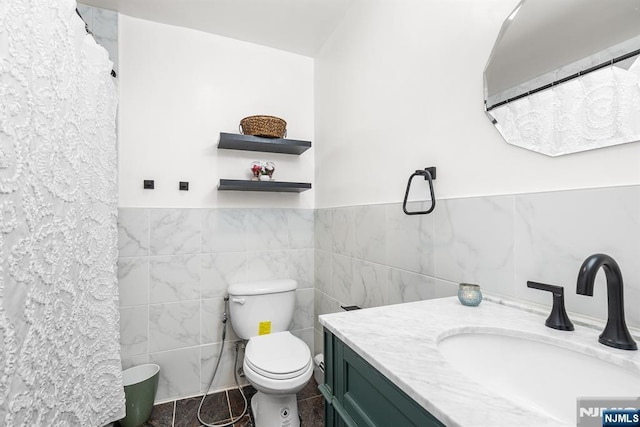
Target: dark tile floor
<point x="221" y="407"/>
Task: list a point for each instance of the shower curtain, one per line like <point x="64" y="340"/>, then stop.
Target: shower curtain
<point x="59" y="332"/>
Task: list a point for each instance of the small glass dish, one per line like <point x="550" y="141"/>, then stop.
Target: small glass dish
<point x="469" y="294"/>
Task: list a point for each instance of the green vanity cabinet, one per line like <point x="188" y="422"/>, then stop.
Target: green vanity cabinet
<point x="357" y="395"/>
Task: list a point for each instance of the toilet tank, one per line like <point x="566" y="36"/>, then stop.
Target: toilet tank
<point x="259" y="308"/>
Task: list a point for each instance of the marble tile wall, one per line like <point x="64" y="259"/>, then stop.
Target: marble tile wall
<point x="376" y="255"/>
<point x="103" y="24"/>
<point x="174" y="267"/>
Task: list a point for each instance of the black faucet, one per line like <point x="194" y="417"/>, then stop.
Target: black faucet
<point x="615" y="333"/>
<point x="558" y="318"/>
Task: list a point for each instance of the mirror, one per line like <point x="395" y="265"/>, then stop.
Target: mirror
<point x="564" y="76"/>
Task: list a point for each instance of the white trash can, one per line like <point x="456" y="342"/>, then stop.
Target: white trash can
<point x="318" y="371"/>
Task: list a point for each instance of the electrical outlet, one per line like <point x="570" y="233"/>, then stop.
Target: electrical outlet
<point x="184" y="186"/>
<point x="148" y="184"/>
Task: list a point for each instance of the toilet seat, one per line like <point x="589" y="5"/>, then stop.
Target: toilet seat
<point x="278" y="356"/>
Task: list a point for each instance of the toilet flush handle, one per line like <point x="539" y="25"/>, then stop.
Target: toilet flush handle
<point x="238" y="300"/>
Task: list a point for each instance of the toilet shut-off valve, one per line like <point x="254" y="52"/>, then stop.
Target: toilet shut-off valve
<point x="558" y="318"/>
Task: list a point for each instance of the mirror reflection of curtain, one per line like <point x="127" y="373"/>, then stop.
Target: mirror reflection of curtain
<point x="587" y="44"/>
<point x="599" y="109"/>
<point x="59" y="334"/>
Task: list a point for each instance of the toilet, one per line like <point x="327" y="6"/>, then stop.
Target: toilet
<point x="277" y="363"/>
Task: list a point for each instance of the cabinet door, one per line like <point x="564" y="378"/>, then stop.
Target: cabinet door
<point x="373" y="401"/>
<point x="358" y="395"/>
<point x="334" y="412"/>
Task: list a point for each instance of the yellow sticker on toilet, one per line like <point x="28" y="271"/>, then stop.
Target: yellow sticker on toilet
<point x="264" y="328"/>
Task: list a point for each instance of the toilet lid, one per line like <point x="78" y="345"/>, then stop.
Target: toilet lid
<point x="277" y="356"/>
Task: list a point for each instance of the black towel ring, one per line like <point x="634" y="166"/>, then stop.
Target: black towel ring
<point x="429" y="175"/>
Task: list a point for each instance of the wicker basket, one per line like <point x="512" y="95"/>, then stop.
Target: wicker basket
<point x="265" y="126"/>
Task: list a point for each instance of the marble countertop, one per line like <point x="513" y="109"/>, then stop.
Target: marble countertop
<point x="401" y="341"/>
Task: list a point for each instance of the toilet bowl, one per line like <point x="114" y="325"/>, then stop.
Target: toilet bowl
<point x="278" y="366"/>
<point x="277" y="363"/>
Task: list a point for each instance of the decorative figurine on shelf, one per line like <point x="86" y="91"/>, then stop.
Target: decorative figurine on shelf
<point x="256" y="170"/>
<point x="262" y="171"/>
<point x="269" y="169"/>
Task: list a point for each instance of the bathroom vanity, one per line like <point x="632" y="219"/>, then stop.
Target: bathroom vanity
<point x="359" y="395"/>
<point x="437" y="362"/>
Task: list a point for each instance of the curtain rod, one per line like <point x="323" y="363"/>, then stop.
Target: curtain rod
<point x="566" y="79"/>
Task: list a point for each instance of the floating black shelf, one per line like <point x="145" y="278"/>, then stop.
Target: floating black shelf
<point x="275" y="186"/>
<point x="234" y="141"/>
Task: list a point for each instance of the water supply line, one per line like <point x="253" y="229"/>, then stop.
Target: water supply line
<point x="235" y="373"/>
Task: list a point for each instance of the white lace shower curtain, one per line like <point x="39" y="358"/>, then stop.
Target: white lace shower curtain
<point x="59" y="332"/>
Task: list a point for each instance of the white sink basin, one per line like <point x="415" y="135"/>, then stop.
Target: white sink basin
<point x="537" y="374"/>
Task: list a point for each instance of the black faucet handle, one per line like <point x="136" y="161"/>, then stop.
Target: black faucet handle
<point x="558" y="318"/>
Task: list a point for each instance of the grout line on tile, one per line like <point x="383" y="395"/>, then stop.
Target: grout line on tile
<point x="148" y="220"/>
<point x="309" y="398"/>
<point x="226" y="392"/>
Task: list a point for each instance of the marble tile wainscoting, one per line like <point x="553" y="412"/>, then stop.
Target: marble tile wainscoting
<point x="174" y="267"/>
<point x="376" y="255"/>
<point x="175" y="264"/>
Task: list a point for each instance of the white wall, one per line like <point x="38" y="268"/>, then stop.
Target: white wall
<point x="399" y="87"/>
<point x="179" y="89"/>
